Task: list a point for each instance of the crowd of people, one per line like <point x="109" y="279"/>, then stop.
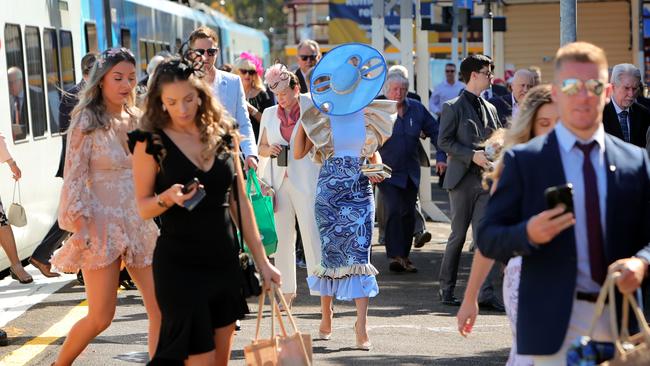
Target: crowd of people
<point x="150" y="167"/>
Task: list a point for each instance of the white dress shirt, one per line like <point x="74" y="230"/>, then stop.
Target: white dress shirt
<point x="444" y="92"/>
<point x="572" y="160"/>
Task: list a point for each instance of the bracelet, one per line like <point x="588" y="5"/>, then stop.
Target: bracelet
<point x="160" y="202"/>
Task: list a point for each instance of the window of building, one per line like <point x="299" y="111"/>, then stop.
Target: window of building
<point x="16" y="80"/>
<point x="125" y="35"/>
<point x="90" y="30"/>
<point x="67" y="60"/>
<point x="52" y="72"/>
<point x="151" y="50"/>
<point x="158" y="47"/>
<point x="35" y="81"/>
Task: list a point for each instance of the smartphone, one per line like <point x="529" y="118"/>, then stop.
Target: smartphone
<point x="562" y="194"/>
<point x="283" y="156"/>
<point x="198" y="196"/>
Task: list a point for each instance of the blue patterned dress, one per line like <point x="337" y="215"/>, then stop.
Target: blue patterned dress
<point x="344" y="208"/>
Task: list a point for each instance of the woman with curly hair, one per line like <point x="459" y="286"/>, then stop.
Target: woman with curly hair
<point x="97" y="204"/>
<point x="537" y="116"/>
<point x="186" y="135"/>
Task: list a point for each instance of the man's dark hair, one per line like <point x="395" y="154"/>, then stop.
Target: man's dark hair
<point x="450" y="64"/>
<point x="87" y="62"/>
<point x="474" y="63"/>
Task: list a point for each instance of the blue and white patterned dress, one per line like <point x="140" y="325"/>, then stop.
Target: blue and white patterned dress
<point x="344" y="208"/>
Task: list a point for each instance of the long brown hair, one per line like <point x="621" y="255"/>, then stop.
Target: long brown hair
<point x="91" y="100"/>
<point x="213" y="122"/>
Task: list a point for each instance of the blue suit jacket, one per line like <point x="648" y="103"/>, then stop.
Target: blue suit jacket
<point x="230" y="92"/>
<point x="400" y="152"/>
<point x="548" y="274"/>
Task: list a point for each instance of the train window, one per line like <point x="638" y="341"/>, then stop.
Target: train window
<point x="125" y="35"/>
<point x="35" y="81"/>
<point x="143" y="56"/>
<point x="67" y="60"/>
<point x="52" y="70"/>
<point x="151" y="50"/>
<point x="16" y="79"/>
<point x="91" y="37"/>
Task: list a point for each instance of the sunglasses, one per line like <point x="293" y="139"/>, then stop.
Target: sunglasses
<point x="202" y="51"/>
<point x="573" y="86"/>
<point x="249" y="72"/>
<point x="450" y="71"/>
<point x="308" y="57"/>
<point x="487" y="73"/>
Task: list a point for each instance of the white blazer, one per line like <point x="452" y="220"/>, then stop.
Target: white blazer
<point x="303" y="173"/>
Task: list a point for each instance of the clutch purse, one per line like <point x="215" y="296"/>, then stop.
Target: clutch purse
<point x="16" y="214"/>
<point x="376" y="170"/>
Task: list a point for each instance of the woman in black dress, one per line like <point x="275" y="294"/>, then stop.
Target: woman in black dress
<point x="250" y="70"/>
<point x="185" y="135"/>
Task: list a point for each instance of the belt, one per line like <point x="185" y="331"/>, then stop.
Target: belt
<point x="588" y="296"/>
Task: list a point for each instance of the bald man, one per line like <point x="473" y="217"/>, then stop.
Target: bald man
<point x="508" y="105"/>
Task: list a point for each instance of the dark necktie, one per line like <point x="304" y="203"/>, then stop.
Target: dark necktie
<point x="17" y="111"/>
<point x="622" y="119"/>
<point x="592" y="207"/>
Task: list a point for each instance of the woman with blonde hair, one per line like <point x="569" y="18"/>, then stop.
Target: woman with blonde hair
<point x="187" y="137"/>
<point x="537" y="116"/>
<point x="250" y="70"/>
<point x="97" y="203"/>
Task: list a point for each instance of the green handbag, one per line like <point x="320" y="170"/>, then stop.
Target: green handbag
<point x="263" y="208"/>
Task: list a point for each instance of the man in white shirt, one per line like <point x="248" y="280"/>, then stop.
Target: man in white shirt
<point x="447" y="90"/>
<point x="227" y="88"/>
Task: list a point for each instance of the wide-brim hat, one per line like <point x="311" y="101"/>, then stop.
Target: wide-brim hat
<point x="347" y="79"/>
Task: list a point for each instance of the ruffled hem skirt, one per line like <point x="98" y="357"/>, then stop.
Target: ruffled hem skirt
<point x="344" y="215"/>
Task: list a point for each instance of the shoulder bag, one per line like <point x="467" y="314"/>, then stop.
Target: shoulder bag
<point x="16" y="214"/>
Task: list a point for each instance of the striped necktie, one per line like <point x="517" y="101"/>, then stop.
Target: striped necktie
<point x="622" y="119"/>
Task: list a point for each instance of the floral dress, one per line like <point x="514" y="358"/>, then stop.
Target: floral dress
<point x="97" y="201"/>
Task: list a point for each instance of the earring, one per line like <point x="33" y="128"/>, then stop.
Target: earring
<point x="164" y="108"/>
<point x="100" y="85"/>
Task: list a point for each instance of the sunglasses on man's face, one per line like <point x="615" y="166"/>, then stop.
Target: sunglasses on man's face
<point x="573" y="86"/>
<point x="450" y="71"/>
<point x="203" y="51"/>
<point x="308" y="57"/>
<point x="249" y="72"/>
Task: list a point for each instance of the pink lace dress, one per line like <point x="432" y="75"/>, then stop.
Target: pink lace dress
<point x="98" y="202"/>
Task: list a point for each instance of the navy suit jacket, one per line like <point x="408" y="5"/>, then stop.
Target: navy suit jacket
<point x="400" y="152"/>
<point x="503" y="104"/>
<point x="548" y="273"/>
<point x="639" y="120"/>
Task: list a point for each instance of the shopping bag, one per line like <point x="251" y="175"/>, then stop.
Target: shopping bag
<point x="16" y="214"/>
<point x="263" y="208"/>
<point x="626" y="349"/>
<point x="282" y="349"/>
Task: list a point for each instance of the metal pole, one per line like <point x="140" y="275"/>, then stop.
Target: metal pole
<point x="406" y="38"/>
<point x="454" y="35"/>
<point x="568" y="21"/>
<point x="421" y="56"/>
<point x="377" y="25"/>
<point x="464" y="41"/>
<point x="487" y="29"/>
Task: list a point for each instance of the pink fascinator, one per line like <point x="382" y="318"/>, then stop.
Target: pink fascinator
<point x="277" y="77"/>
<point x="255" y="60"/>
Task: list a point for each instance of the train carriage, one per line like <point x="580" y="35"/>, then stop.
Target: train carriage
<point x="44" y="41"/>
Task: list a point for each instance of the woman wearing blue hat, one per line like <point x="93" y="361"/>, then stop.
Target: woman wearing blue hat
<point x="343" y="134"/>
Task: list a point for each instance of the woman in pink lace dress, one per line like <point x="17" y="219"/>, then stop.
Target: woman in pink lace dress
<point x="98" y="203"/>
<point x="537" y="116"/>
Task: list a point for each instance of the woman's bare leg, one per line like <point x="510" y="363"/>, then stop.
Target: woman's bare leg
<point x="101" y="291"/>
<point x="223" y="338"/>
<point x="327" y="313"/>
<point x="8" y="243"/>
<point x="143" y="278"/>
<point x="362" y="319"/>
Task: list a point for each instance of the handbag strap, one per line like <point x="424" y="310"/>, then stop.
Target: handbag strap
<point x="293" y="324"/>
<point x="260" y="308"/>
<point x="252" y="180"/>
<point x="241" y="231"/>
<point x="13" y="199"/>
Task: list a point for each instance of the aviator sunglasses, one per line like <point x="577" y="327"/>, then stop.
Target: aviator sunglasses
<point x="249" y="72"/>
<point x="573" y="86"/>
<point x="202" y="51"/>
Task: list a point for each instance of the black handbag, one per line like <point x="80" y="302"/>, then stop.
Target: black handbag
<point x="251" y="281"/>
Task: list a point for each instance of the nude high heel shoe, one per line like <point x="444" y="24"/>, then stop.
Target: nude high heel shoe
<point x="365" y="346"/>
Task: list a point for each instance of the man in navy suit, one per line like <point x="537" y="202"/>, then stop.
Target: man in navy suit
<point x="508" y="105"/>
<point x="400" y="152"/>
<point x="566" y="256"/>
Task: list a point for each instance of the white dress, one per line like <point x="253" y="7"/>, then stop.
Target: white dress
<point x="511" y="301"/>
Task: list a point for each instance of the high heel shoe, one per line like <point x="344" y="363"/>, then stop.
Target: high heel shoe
<point x="23" y="280"/>
<point x="364" y="346"/>
<point x="324" y="336"/>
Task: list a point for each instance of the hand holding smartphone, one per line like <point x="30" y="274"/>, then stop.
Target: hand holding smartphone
<point x="198" y="196"/>
<point x="562" y="194"/>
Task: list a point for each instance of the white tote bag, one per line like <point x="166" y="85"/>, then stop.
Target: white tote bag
<point x="16" y="215"/>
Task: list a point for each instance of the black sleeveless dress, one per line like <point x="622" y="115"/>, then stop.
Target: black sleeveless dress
<point x="195" y="264"/>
